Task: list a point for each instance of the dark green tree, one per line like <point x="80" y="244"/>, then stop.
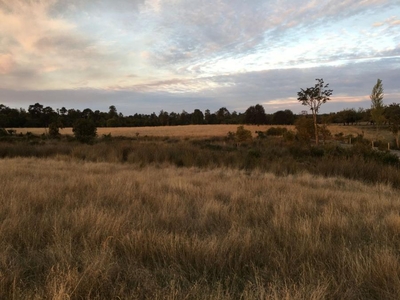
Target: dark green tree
<point x="112" y="112"/>
<point x="347" y="116"/>
<point x="35" y="114"/>
<point x="163" y="118"/>
<point x="223" y="115"/>
<point x="197" y="117"/>
<point x="255" y="115"/>
<point x="283" y="117"/>
<point x="84" y="130"/>
<point x="209" y="117"/>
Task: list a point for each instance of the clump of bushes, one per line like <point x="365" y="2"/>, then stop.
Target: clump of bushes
<point x="243" y="135"/>
<point x="84" y="130"/>
<point x="276" y="131"/>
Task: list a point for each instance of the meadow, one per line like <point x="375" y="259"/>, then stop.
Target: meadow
<point x="119" y="230"/>
<point x="156" y="217"/>
<point x="204" y="131"/>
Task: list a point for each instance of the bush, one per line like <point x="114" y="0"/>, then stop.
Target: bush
<point x="261" y="134"/>
<point x="289" y="136"/>
<point x="3" y="132"/>
<point x="243" y="135"/>
<point x="305" y="129"/>
<point x="276" y="131"/>
<point x="54" y="129"/>
<point x="84" y="130"/>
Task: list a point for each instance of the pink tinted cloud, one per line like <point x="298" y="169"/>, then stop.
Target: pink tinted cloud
<point x="7" y="64"/>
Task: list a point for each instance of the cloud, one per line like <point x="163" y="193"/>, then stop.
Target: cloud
<point x="51" y="48"/>
<point x="7" y="63"/>
<point x="390" y="22"/>
<point x="235" y="53"/>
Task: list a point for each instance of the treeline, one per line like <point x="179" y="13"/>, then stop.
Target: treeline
<point x="39" y="116"/>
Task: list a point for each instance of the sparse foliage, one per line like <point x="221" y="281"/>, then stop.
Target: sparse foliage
<point x="377" y="107"/>
<point x="314" y="97"/>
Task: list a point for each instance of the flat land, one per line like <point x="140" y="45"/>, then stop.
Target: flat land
<point x="79" y="230"/>
<point x="203" y="131"/>
<point x="191" y="217"/>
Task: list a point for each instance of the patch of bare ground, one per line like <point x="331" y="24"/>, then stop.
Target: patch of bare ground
<point x="79" y="230"/>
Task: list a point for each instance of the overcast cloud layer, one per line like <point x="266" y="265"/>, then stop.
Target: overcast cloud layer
<point x="147" y="55"/>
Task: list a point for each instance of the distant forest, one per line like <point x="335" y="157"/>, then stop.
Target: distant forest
<point x="39" y="116"/>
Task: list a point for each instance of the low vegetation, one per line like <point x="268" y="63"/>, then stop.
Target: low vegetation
<point x="256" y="213"/>
<point x="130" y="232"/>
<point x="284" y="154"/>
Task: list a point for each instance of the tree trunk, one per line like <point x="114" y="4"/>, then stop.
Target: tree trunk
<point x="315" y="127"/>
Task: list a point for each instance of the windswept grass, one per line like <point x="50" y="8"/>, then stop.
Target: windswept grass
<point x="83" y="230"/>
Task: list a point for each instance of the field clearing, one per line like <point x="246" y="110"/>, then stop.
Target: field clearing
<point x="119" y="231"/>
<point x="206" y="131"/>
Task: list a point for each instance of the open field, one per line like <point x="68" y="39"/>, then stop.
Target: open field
<point x="203" y="131"/>
<point x="164" y="131"/>
<point x="79" y="230"/>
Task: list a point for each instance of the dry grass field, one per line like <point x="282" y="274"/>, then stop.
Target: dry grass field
<point x="82" y="230"/>
<point x="202" y="131"/>
<point x="164" y="131"/>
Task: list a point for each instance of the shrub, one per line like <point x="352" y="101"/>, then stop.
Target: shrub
<point x="54" y="129"/>
<point x="289" y="135"/>
<point x="261" y="134"/>
<point x="84" y="130"/>
<point x="3" y="132"/>
<point x="305" y="129"/>
<point x="276" y="131"/>
<point x="107" y="137"/>
<point x="243" y="135"/>
<point x="230" y="136"/>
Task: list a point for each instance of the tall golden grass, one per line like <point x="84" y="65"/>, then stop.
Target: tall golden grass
<point x="209" y="131"/>
<point x="78" y="230"/>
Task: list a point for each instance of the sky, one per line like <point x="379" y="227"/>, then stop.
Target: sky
<point x="143" y="56"/>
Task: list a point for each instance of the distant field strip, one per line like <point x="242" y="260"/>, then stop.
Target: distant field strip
<point x="203" y="130"/>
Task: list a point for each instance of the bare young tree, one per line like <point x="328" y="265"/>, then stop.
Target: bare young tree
<point x="314" y="97"/>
